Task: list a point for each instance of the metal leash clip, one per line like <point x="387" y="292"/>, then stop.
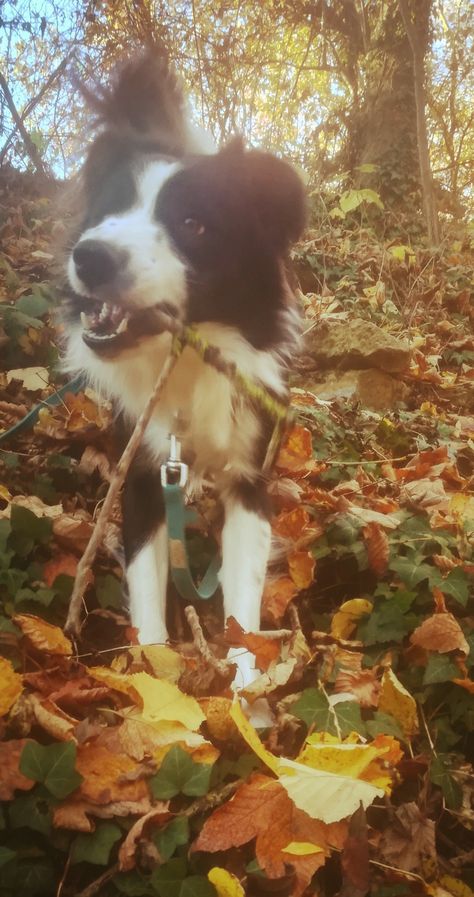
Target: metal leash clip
<point x="174" y="471"/>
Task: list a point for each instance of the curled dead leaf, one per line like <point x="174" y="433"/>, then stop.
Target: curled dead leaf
<point x="42" y="635"/>
<point x="158" y="815"/>
<point x="442" y="633"/>
<point x="376" y="543"/>
<point x="11" y="686"/>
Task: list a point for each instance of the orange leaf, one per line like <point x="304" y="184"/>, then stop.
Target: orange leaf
<point x="277" y="595"/>
<point x="65" y="563"/>
<point x="108" y="776"/>
<point x="261" y="808"/>
<point x="376" y="543"/>
<point x="363" y="684"/>
<point x="264" y="649"/>
<point x="43" y="636"/>
<point x="12" y="686"/>
<point x="296" y="451"/>
<point x="302" y="565"/>
<point x="441" y="633"/>
<point x="11" y="777"/>
<point x="291" y="524"/>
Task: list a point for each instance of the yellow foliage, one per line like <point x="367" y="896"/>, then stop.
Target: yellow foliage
<point x="226" y="884"/>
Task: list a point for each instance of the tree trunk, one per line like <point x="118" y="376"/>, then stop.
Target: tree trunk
<point x="418" y="48"/>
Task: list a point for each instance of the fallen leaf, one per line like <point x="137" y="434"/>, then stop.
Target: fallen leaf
<point x="296" y="450"/>
<point x="11" y="686"/>
<point x="363" y="684"/>
<point x="301" y="565"/>
<point x="162" y="700"/>
<point x="163" y="661"/>
<point x="226" y="884"/>
<point x="53" y="720"/>
<point x="73" y="531"/>
<point x="440" y="632"/>
<point x="117" y="681"/>
<point x="369" y="762"/>
<point x="409" y="843"/>
<point x="399" y="703"/>
<point x="64" y="563"/>
<point x="73" y="813"/>
<point x="159" y="814"/>
<point x="35" y="505"/>
<point x="346" y="618"/>
<point x="324" y="795"/>
<point x="107" y="776"/>
<point x="378" y="549"/>
<point x="355" y="856"/>
<point x="42" y="635"/>
<point x="31" y="379"/>
<point x="263" y="648"/>
<point x="277" y="595"/>
<point x="291" y="524"/>
<point x="249" y="735"/>
<point x="11" y="777"/>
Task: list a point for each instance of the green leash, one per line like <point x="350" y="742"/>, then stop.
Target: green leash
<point x="56" y="398"/>
<point x="176" y="515"/>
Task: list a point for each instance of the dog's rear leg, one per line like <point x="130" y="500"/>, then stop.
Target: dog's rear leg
<point x="146" y="552"/>
<point x="245" y="550"/>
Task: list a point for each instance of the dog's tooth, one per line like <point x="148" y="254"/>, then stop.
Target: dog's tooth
<point x="122" y="327"/>
<point x="84" y="320"/>
<point x="104" y="312"/>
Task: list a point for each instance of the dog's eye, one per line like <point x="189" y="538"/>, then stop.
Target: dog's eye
<point x="194" y="227"/>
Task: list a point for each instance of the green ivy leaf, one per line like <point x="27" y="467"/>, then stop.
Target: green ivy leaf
<point x="175" y="834"/>
<point x="384" y="724"/>
<point x="440" y="775"/>
<point x="440" y="668"/>
<point x="388" y="622"/>
<point x="28" y="529"/>
<point x="166" y="881"/>
<point x="315" y="710"/>
<point x="456" y="584"/>
<point x="180" y="774"/>
<point x="33" y="304"/>
<point x="95" y="848"/>
<point x="31" y="811"/>
<point x="349" y="718"/>
<point x="132" y="884"/>
<point x="197" y="886"/>
<point x="109" y="591"/>
<point x="53" y="765"/>
<point x="410" y="572"/>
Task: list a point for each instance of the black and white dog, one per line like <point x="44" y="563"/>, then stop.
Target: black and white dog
<point x="171" y="224"/>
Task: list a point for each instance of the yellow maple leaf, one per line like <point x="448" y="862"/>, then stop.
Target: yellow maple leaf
<point x="162" y="700"/>
<point x="12" y="686"/>
<point x="397" y="701"/>
<point x="226" y="884"/>
<point x="345" y="619"/>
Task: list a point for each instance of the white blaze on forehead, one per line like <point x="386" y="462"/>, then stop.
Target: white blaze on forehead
<point x="154" y="272"/>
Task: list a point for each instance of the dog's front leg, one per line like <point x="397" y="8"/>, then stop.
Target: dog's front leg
<point x="146" y="552"/>
<point x="245" y="551"/>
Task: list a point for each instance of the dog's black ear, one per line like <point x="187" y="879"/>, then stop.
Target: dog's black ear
<point x="145" y="99"/>
<point x="279" y="197"/>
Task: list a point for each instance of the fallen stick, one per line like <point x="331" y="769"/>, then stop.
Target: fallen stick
<point x="222" y="667"/>
<point x="73" y="621"/>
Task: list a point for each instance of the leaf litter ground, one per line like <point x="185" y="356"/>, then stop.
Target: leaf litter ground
<point x="128" y="770"/>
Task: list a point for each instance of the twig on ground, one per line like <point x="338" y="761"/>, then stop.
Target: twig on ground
<point x="209" y="801"/>
<point x="222" y="667"/>
<point x="294" y="618"/>
<point x="73" y="622"/>
<point x="94" y="886"/>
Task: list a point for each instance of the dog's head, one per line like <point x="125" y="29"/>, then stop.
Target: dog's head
<point x="201" y="236"/>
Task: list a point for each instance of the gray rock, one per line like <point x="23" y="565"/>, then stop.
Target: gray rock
<point x="356" y="344"/>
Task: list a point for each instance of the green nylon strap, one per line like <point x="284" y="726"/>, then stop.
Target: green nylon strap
<point x="180" y="572"/>
<point x="56" y="398"/>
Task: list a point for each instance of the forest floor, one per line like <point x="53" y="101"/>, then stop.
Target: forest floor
<point x="129" y="770"/>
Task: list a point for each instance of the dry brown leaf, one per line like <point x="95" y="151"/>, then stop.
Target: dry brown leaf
<point x="290" y="524"/>
<point x="219" y="722"/>
<point x="441" y="633"/>
<point x="42" y="635"/>
<point x="158" y="815"/>
<point x="53" y="720"/>
<point x="355" y="857"/>
<point x="73" y="813"/>
<point x="265" y="649"/>
<point x="11" y="778"/>
<point x="11" y="686"/>
<point x="296" y="450"/>
<point x="378" y="549"/>
<point x="64" y="563"/>
<point x="93" y="460"/>
<point x="73" y="531"/>
<point x="363" y="684"/>
<point x="34" y="504"/>
<point x="277" y="595"/>
<point x="409" y="843"/>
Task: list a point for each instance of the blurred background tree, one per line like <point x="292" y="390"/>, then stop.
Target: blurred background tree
<point x="328" y="83"/>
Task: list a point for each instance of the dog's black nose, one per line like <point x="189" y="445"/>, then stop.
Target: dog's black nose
<point x="97" y="263"/>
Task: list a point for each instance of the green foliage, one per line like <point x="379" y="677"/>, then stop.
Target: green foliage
<point x="180" y="774"/>
<point x="95" y="848"/>
<point x="53" y="765"/>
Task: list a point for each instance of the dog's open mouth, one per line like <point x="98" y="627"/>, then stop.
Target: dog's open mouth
<point x="106" y="326"/>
